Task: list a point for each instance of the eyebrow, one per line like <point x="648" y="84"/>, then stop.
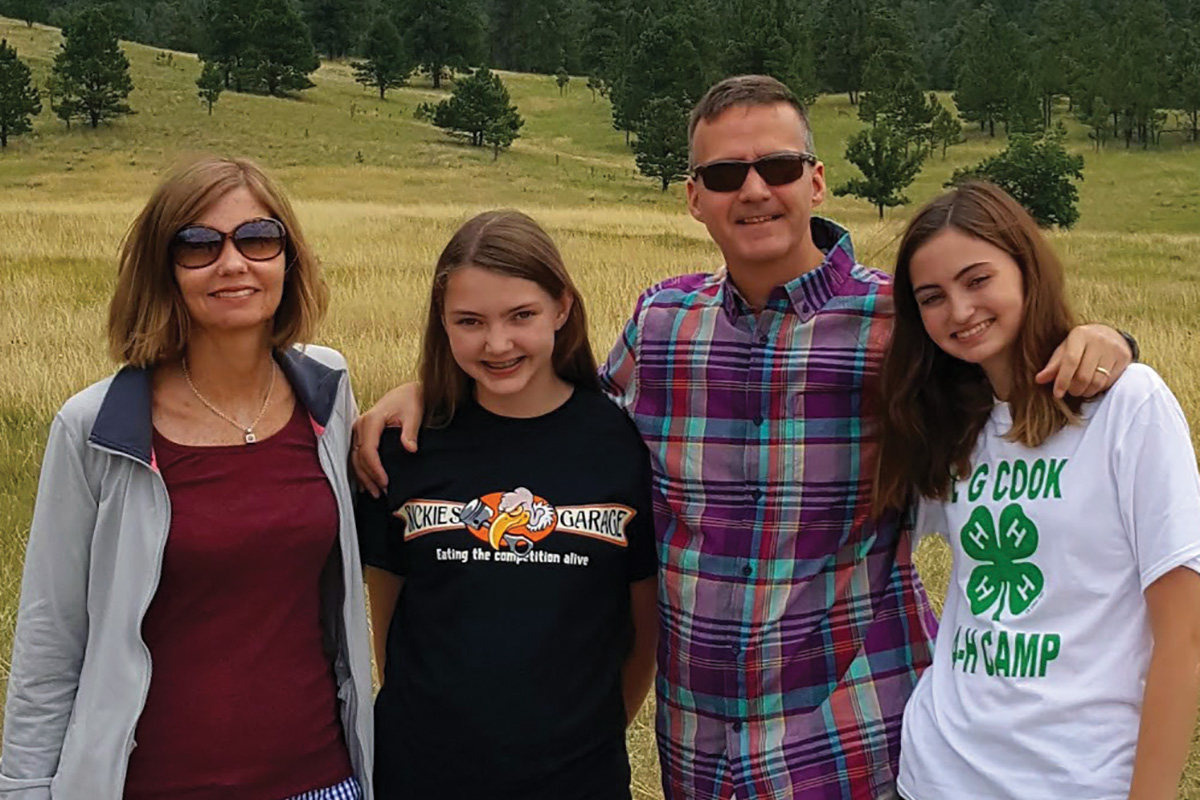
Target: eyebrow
<point x="957" y="275"/>
<point x="464" y="312"/>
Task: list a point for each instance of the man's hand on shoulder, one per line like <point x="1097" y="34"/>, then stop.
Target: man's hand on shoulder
<point x="1088" y="362"/>
<point x="402" y="408"/>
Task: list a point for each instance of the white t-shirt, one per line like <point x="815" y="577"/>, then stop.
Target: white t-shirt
<point x="1036" y="686"/>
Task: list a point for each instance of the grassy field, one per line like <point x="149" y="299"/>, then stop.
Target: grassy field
<point x="380" y="193"/>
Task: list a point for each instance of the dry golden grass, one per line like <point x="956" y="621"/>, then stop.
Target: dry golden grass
<point x="56" y="274"/>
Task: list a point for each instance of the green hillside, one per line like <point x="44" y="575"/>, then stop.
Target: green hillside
<point x="338" y="140"/>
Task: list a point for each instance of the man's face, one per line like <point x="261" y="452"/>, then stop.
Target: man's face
<point x="757" y="224"/>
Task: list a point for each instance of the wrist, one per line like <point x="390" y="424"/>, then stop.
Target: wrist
<point x="1134" y="351"/>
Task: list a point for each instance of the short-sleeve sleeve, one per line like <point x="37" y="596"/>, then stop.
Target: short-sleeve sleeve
<point x="643" y="552"/>
<point x="1158" y="487"/>
<point x="618" y="374"/>
<point x="380" y="531"/>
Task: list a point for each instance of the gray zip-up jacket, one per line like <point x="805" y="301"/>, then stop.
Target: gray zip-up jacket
<point x="80" y="670"/>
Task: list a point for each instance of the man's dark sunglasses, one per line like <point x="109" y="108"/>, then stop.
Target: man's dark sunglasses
<point x="776" y="169"/>
<point x="198" y="246"/>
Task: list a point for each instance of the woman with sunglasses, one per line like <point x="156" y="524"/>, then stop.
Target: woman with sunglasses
<point x="192" y="621"/>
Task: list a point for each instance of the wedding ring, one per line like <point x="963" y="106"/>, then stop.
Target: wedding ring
<point x="1102" y="371"/>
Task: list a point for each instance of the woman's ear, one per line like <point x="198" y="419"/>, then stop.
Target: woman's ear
<point x="565" y="303"/>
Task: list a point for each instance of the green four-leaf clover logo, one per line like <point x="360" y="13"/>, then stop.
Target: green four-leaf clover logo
<point x="1004" y="577"/>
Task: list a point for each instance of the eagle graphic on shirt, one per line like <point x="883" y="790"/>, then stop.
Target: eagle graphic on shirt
<point x="515" y="520"/>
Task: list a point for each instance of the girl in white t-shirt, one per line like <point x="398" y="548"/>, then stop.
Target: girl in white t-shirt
<point x="1066" y="664"/>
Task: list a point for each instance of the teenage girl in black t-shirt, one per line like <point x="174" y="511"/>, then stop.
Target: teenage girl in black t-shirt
<point x="511" y="565"/>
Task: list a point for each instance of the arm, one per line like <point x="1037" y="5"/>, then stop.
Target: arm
<point x="637" y="674"/>
<point x="618" y="374"/>
<point x="402" y="407"/>
<point x="52" y="621"/>
<point x="1172" y="685"/>
<point x="1075" y="367"/>
<point x="383" y="590"/>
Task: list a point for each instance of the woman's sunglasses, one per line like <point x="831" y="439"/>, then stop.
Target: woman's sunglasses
<point x="777" y="169"/>
<point x="198" y="246"/>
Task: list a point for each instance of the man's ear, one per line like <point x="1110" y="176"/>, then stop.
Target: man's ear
<point x="693" y="200"/>
<point x="818" y="183"/>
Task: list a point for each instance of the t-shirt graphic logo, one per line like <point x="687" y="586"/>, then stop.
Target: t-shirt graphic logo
<point x="1005" y="576"/>
<point x="516" y="519"/>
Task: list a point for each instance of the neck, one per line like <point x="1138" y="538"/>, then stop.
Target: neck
<point x="229" y="367"/>
<point x="999" y="375"/>
<point x="756" y="281"/>
<point x="533" y="401"/>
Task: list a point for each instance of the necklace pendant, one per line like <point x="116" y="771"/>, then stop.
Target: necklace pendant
<point x="250" y="437"/>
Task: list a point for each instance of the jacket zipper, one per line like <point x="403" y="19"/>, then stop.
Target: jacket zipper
<point x="344" y="645"/>
<point x="123" y="767"/>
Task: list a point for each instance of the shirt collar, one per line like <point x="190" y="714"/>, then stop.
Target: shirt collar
<point x="808" y="293"/>
<point x="124" y="422"/>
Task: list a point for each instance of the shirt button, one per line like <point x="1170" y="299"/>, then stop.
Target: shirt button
<point x="762" y="338"/>
<point x="747" y="570"/>
<point x="758" y="419"/>
<point x="756" y="494"/>
<point x="737" y="727"/>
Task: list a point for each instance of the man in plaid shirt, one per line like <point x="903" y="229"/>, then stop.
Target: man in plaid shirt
<point x="794" y="626"/>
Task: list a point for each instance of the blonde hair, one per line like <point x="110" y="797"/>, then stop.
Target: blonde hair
<point x="147" y="320"/>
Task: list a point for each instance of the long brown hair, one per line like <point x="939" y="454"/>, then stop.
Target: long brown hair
<point x="934" y="405"/>
<point x="148" y="321"/>
<point x="509" y="243"/>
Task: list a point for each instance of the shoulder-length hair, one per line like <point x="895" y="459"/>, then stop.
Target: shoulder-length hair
<point x="936" y="405"/>
<point x="509" y="243"/>
<point x="148" y="322"/>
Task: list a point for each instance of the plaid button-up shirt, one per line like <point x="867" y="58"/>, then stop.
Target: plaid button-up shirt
<point x="794" y="627"/>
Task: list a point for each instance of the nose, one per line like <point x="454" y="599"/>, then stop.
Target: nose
<point x="498" y="340"/>
<point x="231" y="261"/>
<point x="961" y="308"/>
<point x="754" y="188"/>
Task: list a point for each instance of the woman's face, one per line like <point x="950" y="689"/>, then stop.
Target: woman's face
<point x="235" y="292"/>
<point x="972" y="298"/>
<point x="501" y="331"/>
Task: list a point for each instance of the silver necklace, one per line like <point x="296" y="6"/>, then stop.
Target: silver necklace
<point x="248" y="430"/>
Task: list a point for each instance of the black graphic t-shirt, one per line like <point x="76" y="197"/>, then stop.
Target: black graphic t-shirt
<point x="517" y="540"/>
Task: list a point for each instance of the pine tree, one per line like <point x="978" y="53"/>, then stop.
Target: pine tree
<point x="387" y="65"/>
<point x="480" y="109"/>
<point x="770" y="37"/>
<point x="843" y="45"/>
<point x="1185" y="76"/>
<point x="28" y="11"/>
<point x="19" y="100"/>
<point x="90" y="73"/>
<point x="945" y="129"/>
<point x="983" y="90"/>
<point x="335" y="25"/>
<point x="284" y="55"/>
<point x="890" y="76"/>
<point x="227" y="27"/>
<point x="881" y="155"/>
<point x="661" y="147"/>
<point x="442" y="34"/>
<point x="210" y="84"/>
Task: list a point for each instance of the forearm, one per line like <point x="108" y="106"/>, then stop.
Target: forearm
<point x="383" y="591"/>
<point x="637" y="673"/>
<point x="1168" y="719"/>
<point x="1172" y="684"/>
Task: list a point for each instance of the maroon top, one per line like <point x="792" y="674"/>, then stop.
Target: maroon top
<point x="243" y="701"/>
